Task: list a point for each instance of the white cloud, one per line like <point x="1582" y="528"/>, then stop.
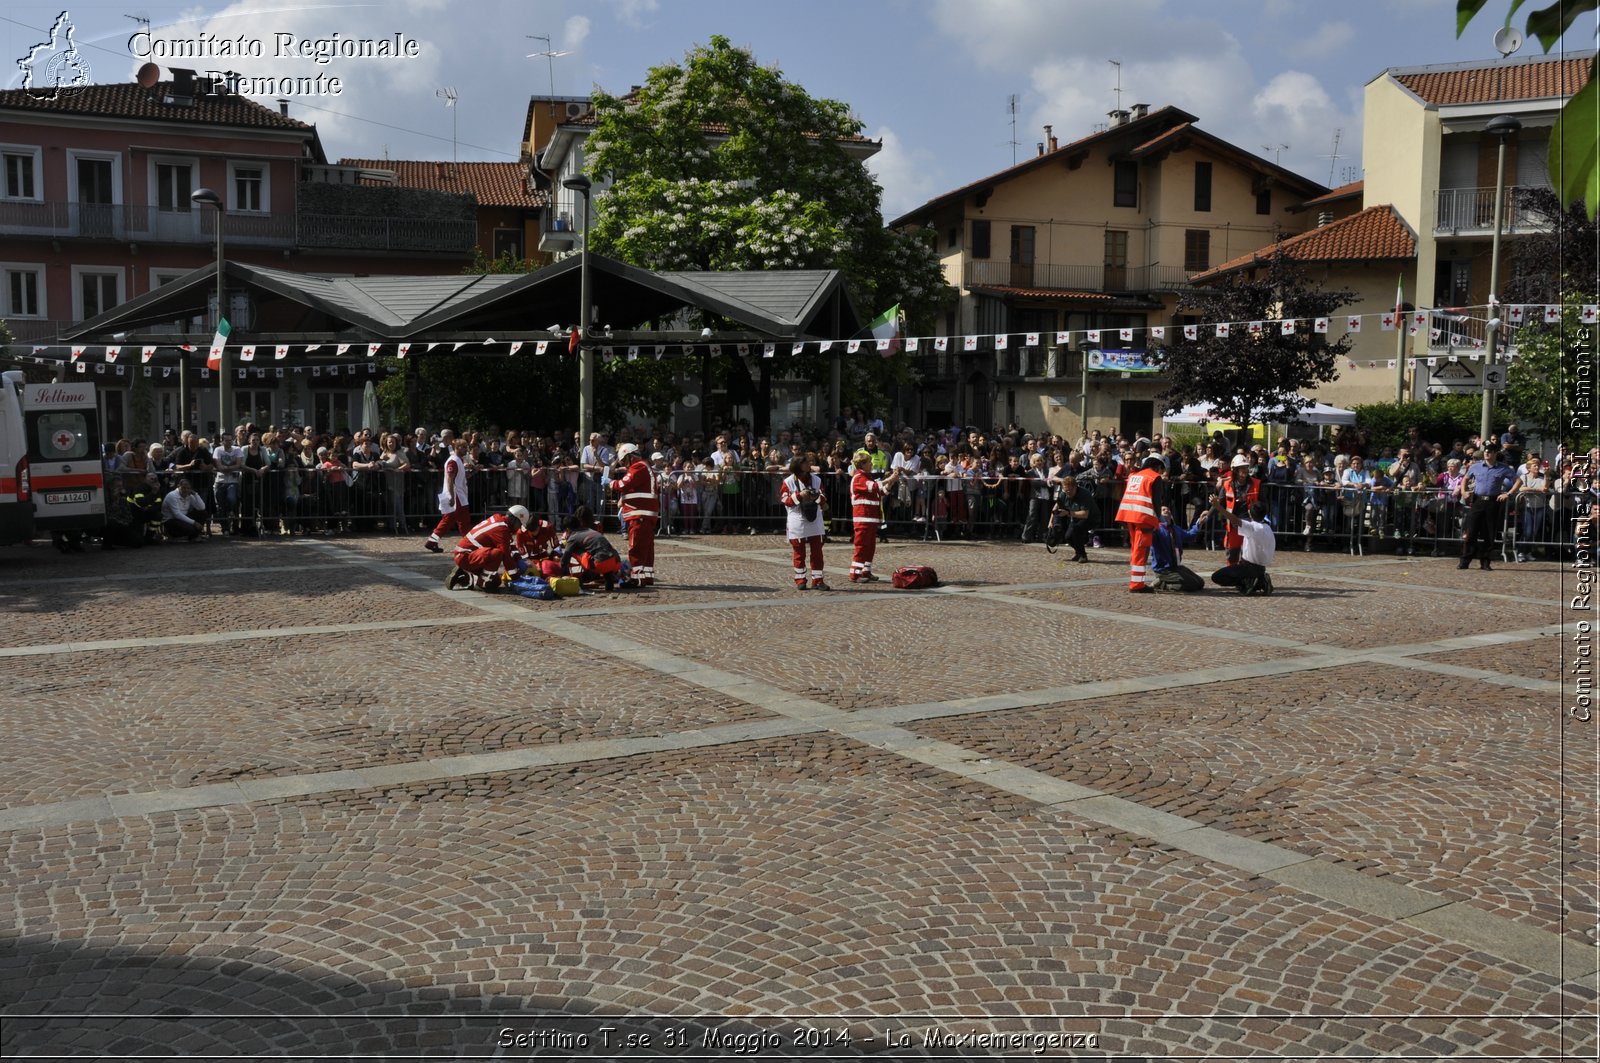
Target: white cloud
<point x="636" y="13"/>
<point x="576" y="31"/>
<point x="906" y="174"/>
<point x="1330" y="37"/>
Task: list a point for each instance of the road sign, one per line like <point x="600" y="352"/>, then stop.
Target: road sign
<point x="1494" y="378"/>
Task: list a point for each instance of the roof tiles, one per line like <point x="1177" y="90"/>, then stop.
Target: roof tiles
<point x="133" y="101"/>
<point x="1488" y="83"/>
<point x="496" y="184"/>
<point x="1372" y="234"/>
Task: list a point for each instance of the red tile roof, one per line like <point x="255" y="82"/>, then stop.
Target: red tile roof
<point x="1376" y="233"/>
<point x="132" y="101"/>
<point x="1535" y="79"/>
<point x="496" y="184"/>
<point x="1353" y="189"/>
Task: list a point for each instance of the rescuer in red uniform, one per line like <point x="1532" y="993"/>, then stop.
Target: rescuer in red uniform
<point x="1239" y="492"/>
<point x="866" y="514"/>
<point x="639" y="507"/>
<point x="1139" y="511"/>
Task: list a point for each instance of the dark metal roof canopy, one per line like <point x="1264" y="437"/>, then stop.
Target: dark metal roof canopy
<point x="631" y="302"/>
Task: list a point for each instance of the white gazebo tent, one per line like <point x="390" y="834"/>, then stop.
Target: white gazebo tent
<point x="1318" y="413"/>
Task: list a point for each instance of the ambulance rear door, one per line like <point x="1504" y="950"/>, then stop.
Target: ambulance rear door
<point x="16" y="498"/>
<point x="69" y="484"/>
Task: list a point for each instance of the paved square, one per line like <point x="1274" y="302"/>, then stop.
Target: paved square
<point x="298" y="799"/>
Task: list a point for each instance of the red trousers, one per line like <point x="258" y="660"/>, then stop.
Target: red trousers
<point x="801" y="570"/>
<point x="1139" y="561"/>
<point x="458" y="520"/>
<point x="484" y="560"/>
<point x="642" y="549"/>
<point x="866" y="547"/>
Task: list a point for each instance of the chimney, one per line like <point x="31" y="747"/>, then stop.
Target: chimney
<point x="1041" y="147"/>
<point x="1117" y="118"/>
<point x="283" y="106"/>
<point x="1050" y="137"/>
<point x="1140" y="110"/>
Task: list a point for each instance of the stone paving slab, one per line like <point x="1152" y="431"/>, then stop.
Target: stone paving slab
<point x="188" y="603"/>
<point x="870" y="653"/>
<point x="1538" y="659"/>
<point x="806" y="877"/>
<point x="1463" y="799"/>
<point x="312" y="704"/>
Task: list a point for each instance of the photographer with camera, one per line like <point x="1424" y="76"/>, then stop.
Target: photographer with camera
<point x="1073" y="514"/>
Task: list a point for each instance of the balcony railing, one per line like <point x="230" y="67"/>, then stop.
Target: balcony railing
<point x="352" y="232"/>
<point x="1086" y="278"/>
<point x="37" y="329"/>
<point x="1463" y="211"/>
<point x="145" y="224"/>
<point x="1460" y="334"/>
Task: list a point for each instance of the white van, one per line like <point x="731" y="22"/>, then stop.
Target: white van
<point x="69" y="479"/>
<point x="16" y="494"/>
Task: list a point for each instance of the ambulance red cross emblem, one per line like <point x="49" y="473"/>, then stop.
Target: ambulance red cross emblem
<point x="63" y="439"/>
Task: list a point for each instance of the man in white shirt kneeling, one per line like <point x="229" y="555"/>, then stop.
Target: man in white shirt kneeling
<point x="1249" y="573"/>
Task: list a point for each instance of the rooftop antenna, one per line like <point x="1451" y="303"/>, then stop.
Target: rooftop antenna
<point x="448" y="95"/>
<point x="1334" y="156"/>
<point x="550" y="55"/>
<point x="1277" y="152"/>
<point x="142" y="20"/>
<point x="1118" y="88"/>
<point x="1011" y="107"/>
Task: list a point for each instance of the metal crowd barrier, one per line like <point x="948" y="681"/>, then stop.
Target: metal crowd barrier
<point x="1428" y="522"/>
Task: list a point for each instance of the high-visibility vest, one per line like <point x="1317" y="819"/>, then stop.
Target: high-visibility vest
<point x="1138" y="500"/>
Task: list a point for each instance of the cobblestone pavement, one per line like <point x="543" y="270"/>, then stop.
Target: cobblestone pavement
<point x="288" y="797"/>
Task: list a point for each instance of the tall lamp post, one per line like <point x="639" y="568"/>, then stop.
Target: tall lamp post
<point x="1505" y="127"/>
<point x="209" y="198"/>
<point x="582" y="185"/>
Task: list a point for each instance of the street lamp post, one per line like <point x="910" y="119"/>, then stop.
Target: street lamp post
<point x="582" y="185"/>
<point x="1505" y="127"/>
<point x="209" y="198"/>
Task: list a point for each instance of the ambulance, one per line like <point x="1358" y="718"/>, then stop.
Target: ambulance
<point x="61" y="422"/>
<point x="16" y="494"/>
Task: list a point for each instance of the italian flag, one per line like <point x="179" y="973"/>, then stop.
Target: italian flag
<point x="886" y="326"/>
<point x="220" y="340"/>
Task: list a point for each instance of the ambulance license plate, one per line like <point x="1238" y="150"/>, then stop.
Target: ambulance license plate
<point x="62" y="498"/>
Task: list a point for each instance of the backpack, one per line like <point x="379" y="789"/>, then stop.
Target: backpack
<point x="914" y="577"/>
<point x="1180" y="578"/>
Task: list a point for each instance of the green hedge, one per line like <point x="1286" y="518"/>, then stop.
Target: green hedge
<point x="1444" y="420"/>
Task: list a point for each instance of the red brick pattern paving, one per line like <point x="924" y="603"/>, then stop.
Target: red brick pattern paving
<point x="806" y="877"/>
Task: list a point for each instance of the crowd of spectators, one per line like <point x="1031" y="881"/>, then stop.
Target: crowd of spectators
<point x="958" y="481"/>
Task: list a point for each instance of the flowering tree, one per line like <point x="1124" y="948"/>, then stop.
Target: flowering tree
<point x="719" y="163"/>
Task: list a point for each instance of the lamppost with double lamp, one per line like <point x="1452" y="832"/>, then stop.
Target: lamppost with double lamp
<point x="1505" y="127"/>
<point x="209" y="198"/>
<point x="582" y="185"/>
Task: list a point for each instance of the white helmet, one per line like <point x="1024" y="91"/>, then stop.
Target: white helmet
<point x="521" y="514"/>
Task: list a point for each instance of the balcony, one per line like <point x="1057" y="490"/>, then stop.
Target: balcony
<point x="1460" y="334"/>
<point x="144" y="224"/>
<point x="1089" y="278"/>
<point x="1470" y="212"/>
<point x="557" y="231"/>
<point x="37" y="329"/>
<point x="350" y="232"/>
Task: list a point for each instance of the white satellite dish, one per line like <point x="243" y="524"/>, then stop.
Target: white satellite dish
<point x="1507" y="39"/>
<point x="691" y="401"/>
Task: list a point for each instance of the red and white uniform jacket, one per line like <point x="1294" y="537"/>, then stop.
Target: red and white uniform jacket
<point x="866" y="499"/>
<point x="499" y="533"/>
<point x="636" y="492"/>
<point x="542" y="540"/>
<point x="453" y="495"/>
<point x="1138" y="500"/>
<point x="796" y="526"/>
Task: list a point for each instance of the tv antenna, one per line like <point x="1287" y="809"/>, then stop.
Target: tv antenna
<point x="550" y="55"/>
<point x="448" y="95"/>
<point x="142" y="20"/>
<point x="1334" y="156"/>
<point x="1011" y="108"/>
<point x="1118" y="88"/>
<point x="1277" y="152"/>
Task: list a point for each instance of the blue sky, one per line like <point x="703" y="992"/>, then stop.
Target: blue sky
<point x="931" y="78"/>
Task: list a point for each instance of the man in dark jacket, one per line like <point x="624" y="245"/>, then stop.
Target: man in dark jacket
<point x="1073" y="516"/>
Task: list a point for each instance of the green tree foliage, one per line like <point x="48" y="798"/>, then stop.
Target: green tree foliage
<point x="720" y="163"/>
<point x="1542" y="383"/>
<point x="1557" y="250"/>
<point x="1245" y="375"/>
<point x="1575" y="140"/>
<point x="1444" y="420"/>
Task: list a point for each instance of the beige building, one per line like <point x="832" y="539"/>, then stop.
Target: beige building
<point x="1103" y="233"/>
<point x="1430" y="165"/>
